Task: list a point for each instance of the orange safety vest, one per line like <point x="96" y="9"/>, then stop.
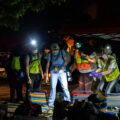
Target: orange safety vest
<point x="81" y="63"/>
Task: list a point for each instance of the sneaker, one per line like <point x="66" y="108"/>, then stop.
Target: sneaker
<point x="51" y="106"/>
<point x="51" y="109"/>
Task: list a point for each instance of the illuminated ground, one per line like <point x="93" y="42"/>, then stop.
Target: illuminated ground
<point x="4" y="89"/>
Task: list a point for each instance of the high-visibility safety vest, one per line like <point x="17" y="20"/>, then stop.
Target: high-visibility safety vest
<point x="115" y="72"/>
<point x="34" y="65"/>
<point x="15" y="65"/>
<point x="81" y="62"/>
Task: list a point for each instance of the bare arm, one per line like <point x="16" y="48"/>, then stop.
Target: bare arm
<point x="73" y="66"/>
<point x="99" y="70"/>
<point x="107" y="72"/>
<point x="47" y="68"/>
<point x="40" y="67"/>
<point x="27" y="69"/>
<point x="92" y="60"/>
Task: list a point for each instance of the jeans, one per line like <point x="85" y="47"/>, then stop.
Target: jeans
<point x="110" y="85"/>
<point x="62" y="77"/>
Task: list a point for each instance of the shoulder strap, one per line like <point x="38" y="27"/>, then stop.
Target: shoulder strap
<point x="32" y="56"/>
<point x="62" y="55"/>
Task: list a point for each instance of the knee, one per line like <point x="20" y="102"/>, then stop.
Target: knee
<point x="65" y="89"/>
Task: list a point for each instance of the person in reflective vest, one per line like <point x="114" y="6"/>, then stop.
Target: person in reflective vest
<point x="34" y="70"/>
<point x="85" y="64"/>
<point x="108" y="68"/>
<point x="16" y="77"/>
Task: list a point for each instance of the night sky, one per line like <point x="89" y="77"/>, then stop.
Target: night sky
<point x="73" y="12"/>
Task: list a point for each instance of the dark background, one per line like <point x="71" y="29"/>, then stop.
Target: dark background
<point x="83" y="13"/>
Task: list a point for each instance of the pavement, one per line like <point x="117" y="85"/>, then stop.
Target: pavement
<point x="11" y="107"/>
<point x="5" y="89"/>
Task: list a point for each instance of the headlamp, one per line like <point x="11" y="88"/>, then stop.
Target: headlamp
<point x="33" y="42"/>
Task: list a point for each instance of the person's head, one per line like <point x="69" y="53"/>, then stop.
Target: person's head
<point x="55" y="49"/>
<point x="107" y="49"/>
<point x="78" y="45"/>
<point x="102" y="55"/>
<point x="34" y="50"/>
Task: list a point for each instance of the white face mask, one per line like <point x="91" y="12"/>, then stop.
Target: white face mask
<point x="35" y="51"/>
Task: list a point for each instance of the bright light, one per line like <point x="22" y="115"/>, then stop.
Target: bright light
<point x="108" y="47"/>
<point x="33" y="42"/>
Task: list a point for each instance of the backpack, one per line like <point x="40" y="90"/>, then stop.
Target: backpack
<point x="67" y="55"/>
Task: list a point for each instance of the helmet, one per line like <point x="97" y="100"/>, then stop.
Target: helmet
<point x="55" y="46"/>
<point x="78" y="45"/>
<point x="107" y="49"/>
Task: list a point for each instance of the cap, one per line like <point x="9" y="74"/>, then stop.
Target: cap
<point x="55" y="46"/>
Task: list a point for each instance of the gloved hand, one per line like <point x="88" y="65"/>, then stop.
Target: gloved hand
<point x="97" y="74"/>
<point x="92" y="74"/>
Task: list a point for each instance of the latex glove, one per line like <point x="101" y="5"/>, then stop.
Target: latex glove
<point x="97" y="74"/>
<point x="92" y="74"/>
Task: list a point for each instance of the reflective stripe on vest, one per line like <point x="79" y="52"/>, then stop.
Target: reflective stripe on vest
<point x="34" y="65"/>
<point x="15" y="65"/>
<point x="85" y="61"/>
<point x="77" y="56"/>
<point x="115" y="72"/>
<point x="81" y="63"/>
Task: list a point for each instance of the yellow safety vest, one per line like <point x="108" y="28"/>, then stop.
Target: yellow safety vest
<point x="15" y="65"/>
<point x="34" y="65"/>
<point x="85" y="61"/>
<point x="77" y="56"/>
<point x="115" y="72"/>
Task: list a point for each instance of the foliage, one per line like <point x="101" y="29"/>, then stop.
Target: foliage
<point x="12" y="10"/>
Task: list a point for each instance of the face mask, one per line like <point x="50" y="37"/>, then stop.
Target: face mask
<point x="35" y="51"/>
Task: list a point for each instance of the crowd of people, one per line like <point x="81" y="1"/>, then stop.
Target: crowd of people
<point x="89" y="62"/>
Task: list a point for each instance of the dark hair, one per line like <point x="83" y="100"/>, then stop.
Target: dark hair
<point x="99" y="51"/>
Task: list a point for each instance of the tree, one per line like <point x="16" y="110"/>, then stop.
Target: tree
<point x="12" y="10"/>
